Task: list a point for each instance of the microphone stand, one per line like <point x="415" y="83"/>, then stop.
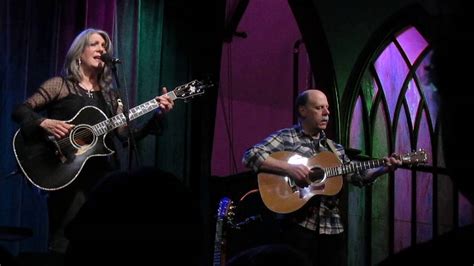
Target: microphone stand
<point x="131" y="136"/>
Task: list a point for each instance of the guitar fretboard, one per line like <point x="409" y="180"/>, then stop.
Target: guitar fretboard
<point x="218" y="244"/>
<point x="353" y="167"/>
<point x="120" y="119"/>
<point x="219" y="241"/>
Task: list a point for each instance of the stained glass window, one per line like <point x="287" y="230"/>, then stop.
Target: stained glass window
<point x="396" y="110"/>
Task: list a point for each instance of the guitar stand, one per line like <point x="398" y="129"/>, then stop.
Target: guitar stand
<point x="248" y="220"/>
<point x="11" y="174"/>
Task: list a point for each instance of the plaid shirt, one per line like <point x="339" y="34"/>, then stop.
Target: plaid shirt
<point x="295" y="140"/>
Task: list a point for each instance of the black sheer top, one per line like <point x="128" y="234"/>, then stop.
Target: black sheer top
<point x="61" y="99"/>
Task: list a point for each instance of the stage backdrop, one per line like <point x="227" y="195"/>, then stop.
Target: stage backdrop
<point x="373" y="60"/>
<point x="158" y="43"/>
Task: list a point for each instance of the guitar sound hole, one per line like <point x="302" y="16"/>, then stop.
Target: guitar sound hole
<point x="83" y="137"/>
<point x="317" y="175"/>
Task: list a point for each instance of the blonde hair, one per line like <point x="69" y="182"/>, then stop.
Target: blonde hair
<point x="71" y="69"/>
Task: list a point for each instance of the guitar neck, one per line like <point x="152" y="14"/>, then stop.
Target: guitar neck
<point x="120" y="119"/>
<point x="353" y="167"/>
<point x="218" y="245"/>
<point x="225" y="206"/>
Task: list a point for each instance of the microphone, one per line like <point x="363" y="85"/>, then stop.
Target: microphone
<point x="109" y="59"/>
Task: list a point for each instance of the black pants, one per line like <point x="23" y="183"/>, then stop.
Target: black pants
<point x="322" y="250"/>
<point x="63" y="207"/>
<point x="64" y="204"/>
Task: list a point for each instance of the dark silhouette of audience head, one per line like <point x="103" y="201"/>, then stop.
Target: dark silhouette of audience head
<point x="147" y="215"/>
<point x="271" y="255"/>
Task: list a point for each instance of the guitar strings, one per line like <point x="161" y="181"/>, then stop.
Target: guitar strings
<point x="66" y="141"/>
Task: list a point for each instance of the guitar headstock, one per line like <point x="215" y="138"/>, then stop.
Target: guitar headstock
<point x="415" y="157"/>
<point x="192" y="88"/>
<point x="225" y="210"/>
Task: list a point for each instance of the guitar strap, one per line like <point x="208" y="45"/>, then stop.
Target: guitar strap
<point x="333" y="148"/>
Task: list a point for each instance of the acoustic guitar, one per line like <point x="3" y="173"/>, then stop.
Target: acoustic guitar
<point x="224" y="217"/>
<point x="280" y="194"/>
<point x="52" y="164"/>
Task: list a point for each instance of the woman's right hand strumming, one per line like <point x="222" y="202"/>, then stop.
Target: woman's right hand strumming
<point x="56" y="128"/>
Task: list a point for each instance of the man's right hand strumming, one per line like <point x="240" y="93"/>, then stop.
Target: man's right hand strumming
<point x="299" y="173"/>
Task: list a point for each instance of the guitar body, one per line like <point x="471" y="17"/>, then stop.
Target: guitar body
<point x="51" y="164"/>
<point x="281" y="196"/>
